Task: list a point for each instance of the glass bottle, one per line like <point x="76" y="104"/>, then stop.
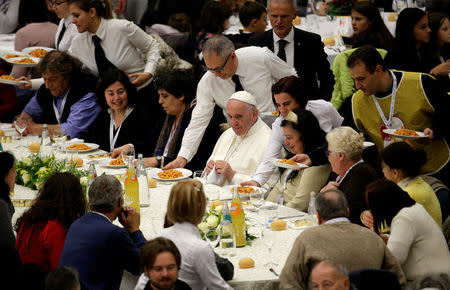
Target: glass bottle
<point x="131" y="184"/>
<point x="227" y="241"/>
<point x="238" y="218"/>
<point x="143" y="182"/>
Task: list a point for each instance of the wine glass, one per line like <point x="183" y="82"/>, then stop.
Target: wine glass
<point x="59" y="137"/>
<point x="257" y="200"/>
<point x="269" y="240"/>
<point x="20" y="122"/>
<point x="213" y="237"/>
<point x="127" y="153"/>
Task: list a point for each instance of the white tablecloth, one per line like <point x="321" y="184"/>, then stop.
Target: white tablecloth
<point x="258" y="277"/>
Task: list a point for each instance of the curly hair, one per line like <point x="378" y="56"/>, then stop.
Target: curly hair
<point x="60" y="198"/>
<point x="6" y="163"/>
<point x="346" y="140"/>
<point x="62" y="63"/>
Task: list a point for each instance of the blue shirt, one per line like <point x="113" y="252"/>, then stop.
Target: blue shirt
<point x="82" y="113"/>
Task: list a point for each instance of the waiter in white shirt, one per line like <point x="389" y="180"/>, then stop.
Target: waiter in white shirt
<point x="253" y="69"/>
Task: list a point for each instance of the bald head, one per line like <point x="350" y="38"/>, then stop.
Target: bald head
<point x="331" y="204"/>
<point x="329" y="275"/>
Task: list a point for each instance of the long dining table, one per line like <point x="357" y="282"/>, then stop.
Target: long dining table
<point x="152" y="219"/>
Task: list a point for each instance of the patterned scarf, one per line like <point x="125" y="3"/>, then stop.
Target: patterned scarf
<point x="164" y="137"/>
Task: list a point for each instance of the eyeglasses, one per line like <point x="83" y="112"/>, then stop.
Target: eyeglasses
<point x="220" y="68"/>
<point x="54" y="3"/>
<point x="328" y="152"/>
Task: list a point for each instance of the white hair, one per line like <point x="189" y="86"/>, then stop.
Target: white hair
<point x="346" y="140"/>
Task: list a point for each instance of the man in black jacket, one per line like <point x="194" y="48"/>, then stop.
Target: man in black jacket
<point x="300" y="49"/>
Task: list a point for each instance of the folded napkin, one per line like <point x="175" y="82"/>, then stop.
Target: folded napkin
<point x="215" y="178"/>
<point x="75" y="141"/>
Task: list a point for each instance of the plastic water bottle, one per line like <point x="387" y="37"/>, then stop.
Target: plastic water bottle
<point x="227" y="241"/>
<point x="312" y="204"/>
<point x="143" y="182"/>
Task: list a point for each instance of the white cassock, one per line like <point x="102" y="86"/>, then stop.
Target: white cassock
<point x="243" y="153"/>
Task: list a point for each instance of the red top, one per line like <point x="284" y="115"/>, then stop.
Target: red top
<point x="44" y="247"/>
<point x="8" y="99"/>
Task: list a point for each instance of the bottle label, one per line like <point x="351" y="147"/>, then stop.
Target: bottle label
<point x="130" y="177"/>
<point x="234" y="209"/>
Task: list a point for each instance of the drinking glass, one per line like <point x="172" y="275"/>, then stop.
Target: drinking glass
<point x="213" y="237"/>
<point x="227" y="243"/>
<point x="128" y="153"/>
<point x="20" y="122"/>
<point x="59" y="137"/>
<point x="257" y="200"/>
<point x="269" y="240"/>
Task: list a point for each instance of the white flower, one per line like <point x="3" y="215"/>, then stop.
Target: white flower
<point x="203" y="227"/>
<point x="27" y="161"/>
<point x="84" y="180"/>
<point x="212" y="221"/>
<point x="42" y="169"/>
<point x="26" y="177"/>
<point x="218" y="208"/>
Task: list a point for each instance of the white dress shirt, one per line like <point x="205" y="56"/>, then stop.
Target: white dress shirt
<point x="243" y="153"/>
<point x="126" y="46"/>
<point x="328" y="119"/>
<point x="198" y="265"/>
<point x="258" y="68"/>
<point x="288" y="48"/>
<point x="69" y="34"/>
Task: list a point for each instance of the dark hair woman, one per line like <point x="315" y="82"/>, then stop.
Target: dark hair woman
<point x="411" y="33"/>
<point x="369" y="27"/>
<point x="41" y="230"/>
<point x="7" y="179"/>
<point x="415" y="240"/>
<point x="121" y="123"/>
<point x="437" y="50"/>
<point x="401" y="164"/>
<point x="302" y="134"/>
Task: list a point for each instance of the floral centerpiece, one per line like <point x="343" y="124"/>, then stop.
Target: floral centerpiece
<point x="212" y="218"/>
<point x="340" y="8"/>
<point x="33" y="171"/>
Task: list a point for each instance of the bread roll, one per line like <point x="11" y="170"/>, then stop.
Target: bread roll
<point x="278" y="225"/>
<point x="246" y="263"/>
<point x="297" y="21"/>
<point x="214" y="203"/>
<point x="35" y="147"/>
<point x="2" y="133"/>
<point x="151" y="182"/>
<point x="77" y="161"/>
<point x="392" y="17"/>
<point x="329" y="41"/>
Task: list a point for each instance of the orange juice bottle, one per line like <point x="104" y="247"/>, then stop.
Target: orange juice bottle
<point x="238" y="218"/>
<point x="131" y="184"/>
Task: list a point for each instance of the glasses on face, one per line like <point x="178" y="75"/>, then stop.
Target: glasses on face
<point x="220" y="68"/>
<point x="55" y="3"/>
<point x="328" y="152"/>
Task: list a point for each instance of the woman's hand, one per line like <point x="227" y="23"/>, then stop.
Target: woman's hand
<point x="442" y="69"/>
<point x="140" y="78"/>
<point x="367" y="219"/>
<point x="26" y="86"/>
<point x="330" y="185"/>
<point x="118" y="151"/>
<point x="302" y="158"/>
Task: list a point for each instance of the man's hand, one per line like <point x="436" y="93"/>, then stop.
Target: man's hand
<point x="225" y="169"/>
<point x="179" y="162"/>
<point x="302" y="158"/>
<point x="140" y="78"/>
<point x="330" y="185"/>
<point x="209" y="166"/>
<point x="429" y="136"/>
<point x="121" y="6"/>
<point x="150" y="162"/>
<point x="367" y="219"/>
<point x="251" y="182"/>
<point x="130" y="219"/>
<point x="26" y="86"/>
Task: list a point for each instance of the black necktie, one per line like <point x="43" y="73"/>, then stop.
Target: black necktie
<point x="60" y="36"/>
<point x="281" y="52"/>
<point x="235" y="79"/>
<point x="103" y="64"/>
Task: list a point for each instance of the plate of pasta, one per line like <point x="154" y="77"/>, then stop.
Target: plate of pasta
<point x="171" y="174"/>
<point x="405" y="133"/>
<point x="24" y="61"/>
<point x="37" y="51"/>
<point x="113" y="163"/>
<point x="81" y="147"/>
<point x="288" y="164"/>
<point x="10" y="80"/>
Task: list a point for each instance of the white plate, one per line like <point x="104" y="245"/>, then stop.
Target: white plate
<point x="277" y="162"/>
<point x="228" y="188"/>
<point x="31" y="48"/>
<point x="10" y="82"/>
<point x="35" y="59"/>
<point x="269" y="114"/>
<point x="368" y="144"/>
<point x="186" y="173"/>
<point x="3" y="54"/>
<point x="309" y="222"/>
<point x="105" y="163"/>
<point x="391" y="132"/>
<point x="92" y="145"/>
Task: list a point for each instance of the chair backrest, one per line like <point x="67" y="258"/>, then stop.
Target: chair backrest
<point x="369" y="279"/>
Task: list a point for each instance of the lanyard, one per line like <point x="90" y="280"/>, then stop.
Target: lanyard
<point x="388" y="123"/>
<point x="339" y="178"/>
<point x="61" y="108"/>
<point x="112" y="136"/>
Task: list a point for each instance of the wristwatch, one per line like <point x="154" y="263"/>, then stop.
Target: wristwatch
<point x="158" y="159"/>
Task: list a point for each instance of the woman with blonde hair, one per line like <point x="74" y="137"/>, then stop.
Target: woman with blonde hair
<point x="185" y="209"/>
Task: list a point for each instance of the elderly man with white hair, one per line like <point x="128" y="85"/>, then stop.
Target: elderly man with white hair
<point x="241" y="148"/>
<point x="345" y="147"/>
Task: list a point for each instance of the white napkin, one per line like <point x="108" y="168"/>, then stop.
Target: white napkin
<point x="75" y="141"/>
<point x="215" y="178"/>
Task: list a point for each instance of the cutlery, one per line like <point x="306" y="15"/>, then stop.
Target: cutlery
<point x="273" y="271"/>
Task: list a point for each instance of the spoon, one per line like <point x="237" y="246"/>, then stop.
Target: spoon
<point x="273" y="271"/>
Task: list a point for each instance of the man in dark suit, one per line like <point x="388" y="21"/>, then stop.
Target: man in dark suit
<point x="300" y="49"/>
<point x="99" y="250"/>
